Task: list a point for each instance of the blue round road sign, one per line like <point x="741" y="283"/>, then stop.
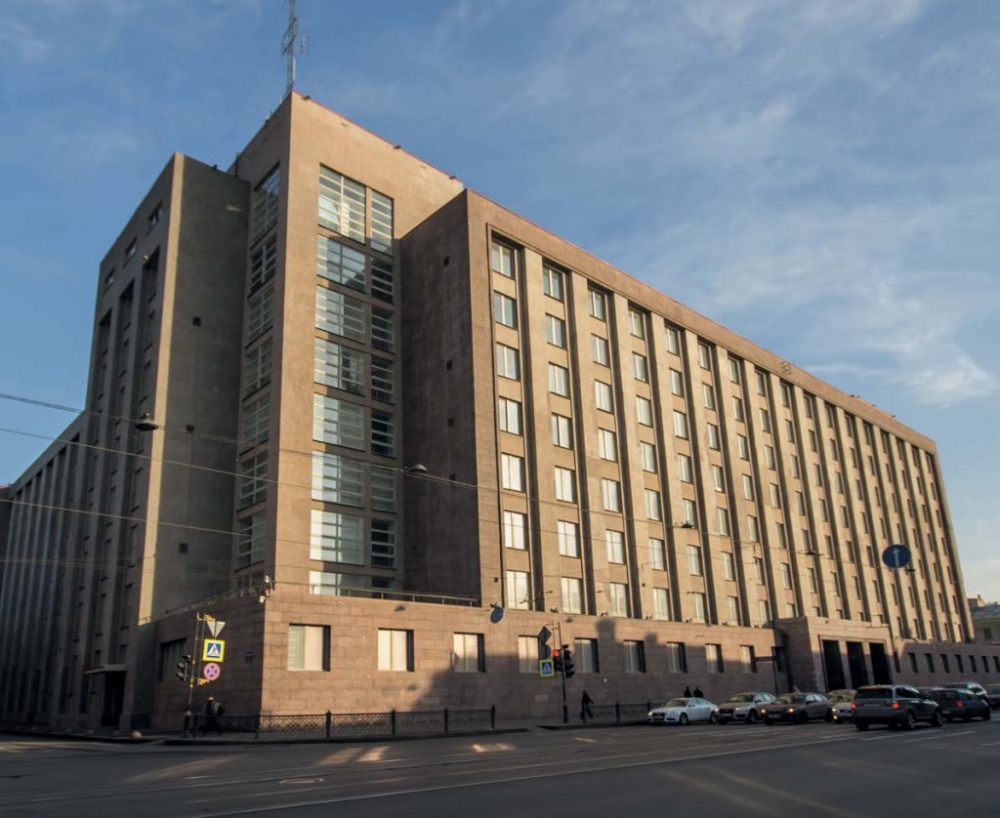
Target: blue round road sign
<point x="897" y="556"/>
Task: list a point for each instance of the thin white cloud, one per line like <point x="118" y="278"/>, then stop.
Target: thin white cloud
<point x="22" y="43"/>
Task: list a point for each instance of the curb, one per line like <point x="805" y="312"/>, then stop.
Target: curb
<point x="251" y="742"/>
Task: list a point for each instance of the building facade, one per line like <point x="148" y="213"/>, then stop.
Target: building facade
<point x="392" y="430"/>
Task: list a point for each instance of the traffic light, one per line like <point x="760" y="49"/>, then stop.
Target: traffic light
<point x="184" y="667"/>
<point x="544" y="651"/>
<point x="557" y="660"/>
<point x="567" y="661"/>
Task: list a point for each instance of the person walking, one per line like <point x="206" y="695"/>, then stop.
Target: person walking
<point x="213" y="710"/>
<point x="687" y="691"/>
<point x="586" y="707"/>
<point x="697" y="693"/>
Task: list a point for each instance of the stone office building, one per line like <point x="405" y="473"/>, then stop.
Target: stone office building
<point x="379" y="410"/>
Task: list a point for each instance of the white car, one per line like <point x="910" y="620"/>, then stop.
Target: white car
<point x="684" y="711"/>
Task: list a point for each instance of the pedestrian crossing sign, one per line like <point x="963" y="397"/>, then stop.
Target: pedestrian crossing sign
<point x="546" y="668"/>
<point x="214" y="650"/>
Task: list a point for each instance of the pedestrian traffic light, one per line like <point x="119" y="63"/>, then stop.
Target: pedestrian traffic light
<point x="557" y="660"/>
<point x="184" y="667"/>
<point x="567" y="661"/>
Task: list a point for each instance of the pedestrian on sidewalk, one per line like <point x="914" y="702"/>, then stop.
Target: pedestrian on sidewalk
<point x="687" y="691"/>
<point x="586" y="707"/>
<point x="213" y="710"/>
<point x="697" y="693"/>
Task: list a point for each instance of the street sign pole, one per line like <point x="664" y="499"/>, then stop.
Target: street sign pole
<point x="195" y="672"/>
<point x="562" y="675"/>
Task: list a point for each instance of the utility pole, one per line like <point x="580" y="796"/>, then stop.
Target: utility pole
<point x="194" y="673"/>
<point x="562" y="673"/>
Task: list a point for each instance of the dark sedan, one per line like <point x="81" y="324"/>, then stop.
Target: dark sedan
<point x="798" y="708"/>
<point x="960" y="704"/>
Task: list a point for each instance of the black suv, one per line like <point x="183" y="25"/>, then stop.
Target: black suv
<point x="896" y="705"/>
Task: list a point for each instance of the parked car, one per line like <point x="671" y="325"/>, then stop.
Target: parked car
<point x="684" y="711"/>
<point x="744" y="707"/>
<point x="798" y="708"/>
<point x="842" y="700"/>
<point x="993" y="691"/>
<point x="960" y="703"/>
<point x="896" y="705"/>
<point x="977" y="689"/>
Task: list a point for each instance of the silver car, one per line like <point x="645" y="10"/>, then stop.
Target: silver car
<point x="744" y="707"/>
<point x="842" y="710"/>
<point x="684" y="711"/>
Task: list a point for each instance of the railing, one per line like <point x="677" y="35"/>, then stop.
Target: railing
<point x="618" y="713"/>
<point x="346" y="725"/>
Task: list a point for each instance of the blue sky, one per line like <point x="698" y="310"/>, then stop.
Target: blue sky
<point x="821" y="177"/>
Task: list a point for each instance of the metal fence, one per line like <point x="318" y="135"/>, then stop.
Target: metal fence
<point x="346" y="725"/>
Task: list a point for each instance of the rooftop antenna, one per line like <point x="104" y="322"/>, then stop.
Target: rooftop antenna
<point x="291" y="44"/>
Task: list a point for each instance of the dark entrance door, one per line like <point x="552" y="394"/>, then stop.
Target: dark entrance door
<point x="880" y="664"/>
<point x="833" y="664"/>
<point x="856" y="662"/>
<point x="114" y="696"/>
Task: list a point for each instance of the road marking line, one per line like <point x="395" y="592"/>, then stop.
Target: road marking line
<point x="939" y="736"/>
<point x="990" y="744"/>
<point x="585" y="739"/>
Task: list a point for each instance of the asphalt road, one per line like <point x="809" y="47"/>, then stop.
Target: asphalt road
<point x="738" y="770"/>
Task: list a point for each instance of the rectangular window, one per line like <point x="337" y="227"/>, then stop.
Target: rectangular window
<point x="636" y="323"/>
<point x="680" y="424"/>
<point x="518" y="590"/>
<point x="709" y="391"/>
<point x="676" y="383"/>
<point x="264" y="204"/>
<point x="552" y="283"/>
<point x="572" y="595"/>
<point x="383" y="380"/>
<point x="586" y="656"/>
<point x="338" y="422"/>
<point x="738" y="412"/>
<point x="607" y="445"/>
<point x="510" y="416"/>
<point x="383" y="330"/>
<point x="786" y="576"/>
<point x="753" y="530"/>
<point x="383" y="539"/>
<point x="263" y="265"/>
<point x="250" y="540"/>
<point x="257" y="368"/>
<point x="657" y="553"/>
<point x="704" y="356"/>
<point x="689" y="512"/>
<point x="502" y="259"/>
<point x="337" y="537"/>
<point x="308" y="647"/>
<point x="383" y="491"/>
<point x="340" y="314"/>
<point x="339" y="366"/>
<point x="341" y="204"/>
<point x="395" y="650"/>
<point x="569" y="542"/>
<point x="694" y="560"/>
<point x="600" y="350"/>
<point x="640" y="367"/>
<point x="562" y="432"/>
<point x="661" y="604"/>
<point x="515" y="530"/>
<point x="700" y="607"/>
<point x="728" y="565"/>
<point x="735" y="365"/>
<point x="748" y="493"/>
<point x="337" y="479"/>
<point x="617" y="599"/>
<point x="527" y="654"/>
<point x="676" y="657"/>
<point x="713" y="437"/>
<point x="512" y="472"/>
<point x="744" y="447"/>
<point x="565" y="484"/>
<point x="615" y="541"/>
<point x="635" y="656"/>
<point x="673" y="340"/>
<point x="598" y="305"/>
<point x="253" y="480"/>
<point x="504" y="310"/>
<point x="644" y="410"/>
<point x="611" y="494"/>
<point x="647" y="453"/>
<point x="339" y="263"/>
<point x="383" y="281"/>
<point x="653" y="507"/>
<point x="468" y="655"/>
<point x="383" y="434"/>
<point x="722" y="518"/>
<point x="602" y="396"/>
<point x="507" y="363"/>
<point x="761" y="382"/>
<point x="713" y="658"/>
<point x="382" y="208"/>
<point x="260" y="313"/>
<point x="718" y="478"/>
<point x="748" y="659"/>
<point x="555" y="331"/>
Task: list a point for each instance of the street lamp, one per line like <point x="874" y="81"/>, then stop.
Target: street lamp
<point x="146" y="423"/>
